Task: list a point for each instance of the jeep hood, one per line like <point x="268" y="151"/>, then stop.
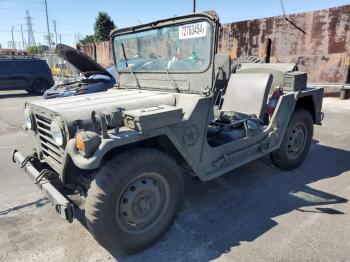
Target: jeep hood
<point x="75" y="108"/>
<point x="81" y="61"/>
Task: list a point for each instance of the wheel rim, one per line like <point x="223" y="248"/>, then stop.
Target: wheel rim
<point x="142" y="203"/>
<point x="297" y="140"/>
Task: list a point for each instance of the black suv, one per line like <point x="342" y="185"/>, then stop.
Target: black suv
<point x="30" y="74"/>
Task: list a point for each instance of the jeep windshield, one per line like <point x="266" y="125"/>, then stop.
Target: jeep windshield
<point x="175" y="48"/>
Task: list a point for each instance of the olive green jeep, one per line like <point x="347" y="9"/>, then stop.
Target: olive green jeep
<point x="178" y="109"/>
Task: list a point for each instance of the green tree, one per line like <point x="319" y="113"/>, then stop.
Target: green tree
<point x="87" y="39"/>
<point x="103" y="26"/>
<point x="32" y="49"/>
<point x="42" y="49"/>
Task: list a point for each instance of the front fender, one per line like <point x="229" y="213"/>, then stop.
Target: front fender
<point x="107" y="144"/>
<point x="123" y="138"/>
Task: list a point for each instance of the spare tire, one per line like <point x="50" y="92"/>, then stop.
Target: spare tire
<point x="244" y="59"/>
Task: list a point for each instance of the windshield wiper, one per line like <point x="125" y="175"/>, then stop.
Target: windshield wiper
<point x="127" y="65"/>
<point x="171" y="79"/>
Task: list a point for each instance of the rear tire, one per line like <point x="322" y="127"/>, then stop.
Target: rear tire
<point x="39" y="86"/>
<point x="133" y="200"/>
<point x="296" y="141"/>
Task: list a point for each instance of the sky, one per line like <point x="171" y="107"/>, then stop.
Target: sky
<point x="75" y="18"/>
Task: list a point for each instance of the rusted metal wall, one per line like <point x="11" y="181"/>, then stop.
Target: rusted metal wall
<point x="323" y="51"/>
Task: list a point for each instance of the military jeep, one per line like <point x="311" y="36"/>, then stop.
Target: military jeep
<point x="178" y="109"/>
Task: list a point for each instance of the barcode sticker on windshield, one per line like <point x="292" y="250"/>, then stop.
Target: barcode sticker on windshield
<point x="193" y="30"/>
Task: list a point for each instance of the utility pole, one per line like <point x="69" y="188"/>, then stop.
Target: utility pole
<point x="55" y="30"/>
<point x="48" y="26"/>
<point x="60" y="38"/>
<point x="76" y="38"/>
<point x="13" y="39"/>
<point x="194" y="6"/>
<point x="23" y="44"/>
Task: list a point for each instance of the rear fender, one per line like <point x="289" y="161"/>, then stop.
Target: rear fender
<point x="311" y="100"/>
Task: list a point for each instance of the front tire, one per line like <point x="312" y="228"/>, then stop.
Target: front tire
<point x="296" y="141"/>
<point x="133" y="200"/>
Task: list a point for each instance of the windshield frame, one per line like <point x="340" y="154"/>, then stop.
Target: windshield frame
<point x="176" y="21"/>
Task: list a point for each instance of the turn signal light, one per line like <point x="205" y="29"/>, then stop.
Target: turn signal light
<point x="86" y="142"/>
<point x="79" y="142"/>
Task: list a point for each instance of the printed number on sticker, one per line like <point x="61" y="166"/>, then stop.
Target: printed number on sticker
<point x="193" y="30"/>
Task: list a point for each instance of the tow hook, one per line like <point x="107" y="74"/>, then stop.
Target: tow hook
<point x="44" y="179"/>
<point x="31" y="158"/>
<point x="13" y="155"/>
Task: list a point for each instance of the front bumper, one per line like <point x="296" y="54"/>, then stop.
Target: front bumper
<point x="62" y="205"/>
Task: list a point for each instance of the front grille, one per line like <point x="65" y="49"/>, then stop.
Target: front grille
<point x="52" y="153"/>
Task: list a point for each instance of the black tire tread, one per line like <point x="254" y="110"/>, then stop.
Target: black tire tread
<point x="279" y="157"/>
<point x="33" y="90"/>
<point x="112" y="173"/>
<point x="245" y="59"/>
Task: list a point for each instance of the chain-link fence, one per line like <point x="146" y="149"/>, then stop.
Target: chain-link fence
<point x="62" y="70"/>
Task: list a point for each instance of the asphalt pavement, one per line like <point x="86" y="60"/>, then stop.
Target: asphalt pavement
<point x="255" y="213"/>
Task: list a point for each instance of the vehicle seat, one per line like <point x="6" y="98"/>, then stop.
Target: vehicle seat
<point x="243" y="108"/>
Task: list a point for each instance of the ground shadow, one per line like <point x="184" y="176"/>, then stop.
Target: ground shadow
<point x="217" y="215"/>
<point x="38" y="203"/>
<point x="17" y="95"/>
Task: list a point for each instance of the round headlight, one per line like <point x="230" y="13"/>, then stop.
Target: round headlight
<point x="28" y="119"/>
<point x="57" y="132"/>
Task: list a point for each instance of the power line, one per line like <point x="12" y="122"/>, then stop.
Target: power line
<point x="28" y="32"/>
<point x="21" y="9"/>
<point x="38" y="32"/>
<point x="21" y="1"/>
